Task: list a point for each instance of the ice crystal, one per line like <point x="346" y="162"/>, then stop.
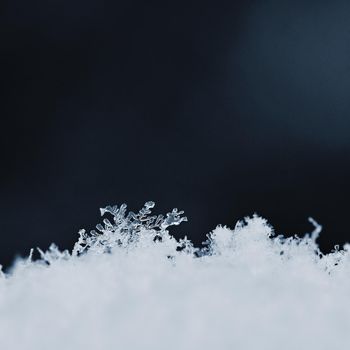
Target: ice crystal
<point x="51" y="255"/>
<point x="126" y="228"/>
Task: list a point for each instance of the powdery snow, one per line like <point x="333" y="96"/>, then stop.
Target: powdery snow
<point x="133" y="286"/>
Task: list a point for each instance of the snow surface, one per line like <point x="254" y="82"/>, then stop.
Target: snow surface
<point x="246" y="289"/>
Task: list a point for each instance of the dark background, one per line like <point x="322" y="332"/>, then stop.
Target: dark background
<point x="222" y="109"/>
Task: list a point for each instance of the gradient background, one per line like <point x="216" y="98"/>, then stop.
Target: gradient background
<point x="221" y="108"/>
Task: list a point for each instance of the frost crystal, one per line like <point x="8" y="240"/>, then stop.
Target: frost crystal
<point x="125" y="228"/>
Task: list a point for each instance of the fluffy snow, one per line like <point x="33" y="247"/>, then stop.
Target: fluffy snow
<point x="133" y="286"/>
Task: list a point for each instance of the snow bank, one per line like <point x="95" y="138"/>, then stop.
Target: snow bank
<point x="131" y="285"/>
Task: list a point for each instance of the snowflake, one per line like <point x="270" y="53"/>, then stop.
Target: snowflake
<point x="126" y="228"/>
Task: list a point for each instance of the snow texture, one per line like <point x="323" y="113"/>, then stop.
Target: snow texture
<point x="131" y="285"/>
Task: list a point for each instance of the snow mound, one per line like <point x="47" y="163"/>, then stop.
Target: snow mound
<point x="131" y="285"/>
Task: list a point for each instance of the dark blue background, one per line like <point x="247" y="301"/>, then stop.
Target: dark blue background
<point x="221" y="108"/>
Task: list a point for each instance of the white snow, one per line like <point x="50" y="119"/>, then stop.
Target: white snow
<point x="247" y="290"/>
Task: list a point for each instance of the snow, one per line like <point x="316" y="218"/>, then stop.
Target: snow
<point x="133" y="286"/>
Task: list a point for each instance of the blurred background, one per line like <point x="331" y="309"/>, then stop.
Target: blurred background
<point x="222" y="109"/>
